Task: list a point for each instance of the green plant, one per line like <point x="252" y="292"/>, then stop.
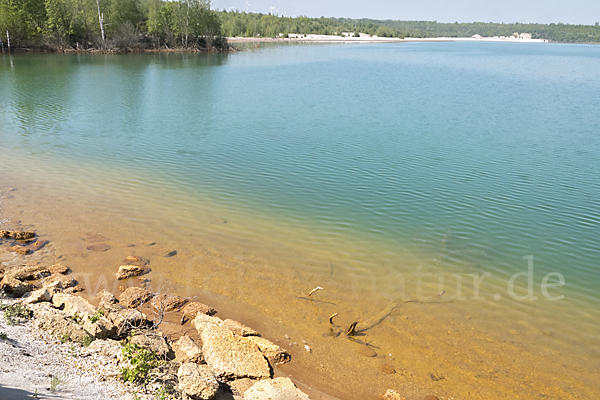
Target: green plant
<point x="161" y="394"/>
<point x="65" y="338"/>
<point x="76" y="318"/>
<point x="87" y="340"/>
<point x="142" y="361"/>
<point x="36" y="393"/>
<point x="55" y="382"/>
<point x="3" y="336"/>
<point x="97" y="315"/>
<point x="135" y="396"/>
<point x="16" y="313"/>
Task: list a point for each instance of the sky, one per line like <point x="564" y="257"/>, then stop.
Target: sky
<point x="523" y="11"/>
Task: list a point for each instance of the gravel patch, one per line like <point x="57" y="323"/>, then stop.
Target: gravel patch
<point x="30" y="357"/>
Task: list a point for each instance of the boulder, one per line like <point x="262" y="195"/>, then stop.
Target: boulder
<point x="39" y="244"/>
<point x="59" y="282"/>
<point x="239" y="387"/>
<point x="391" y="395"/>
<point x="197" y="381"/>
<point x="165" y="303"/>
<point x="275" y="389"/>
<point x="202" y="319"/>
<point x="127" y="271"/>
<point x="106" y="299"/>
<point x="229" y="356"/>
<point x="58" y="323"/>
<point x="37" y="296"/>
<point x="17" y="235"/>
<point x="134" y="296"/>
<point x="73" y="305"/>
<point x="27" y="272"/>
<point x="239" y="328"/>
<point x="58" y="269"/>
<point x="187" y="351"/>
<point x="100" y="328"/>
<point x="15" y="287"/>
<point x="19" y="250"/>
<point x="272" y="352"/>
<point x="190" y="310"/>
<point x="153" y="341"/>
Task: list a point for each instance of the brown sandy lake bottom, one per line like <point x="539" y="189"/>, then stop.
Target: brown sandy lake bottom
<point x="466" y="344"/>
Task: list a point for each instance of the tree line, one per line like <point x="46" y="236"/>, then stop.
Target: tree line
<point x="236" y="23"/>
<point x="109" y="24"/>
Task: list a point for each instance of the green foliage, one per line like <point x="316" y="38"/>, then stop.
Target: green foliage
<point x="142" y="361"/>
<point x="3" y="335"/>
<point x="65" y="338"/>
<point x="87" y="340"/>
<point x="55" y="381"/>
<point x="161" y="394"/>
<point x="130" y="22"/>
<point x="16" y="313"/>
<point x="76" y="318"/>
<point x="97" y="315"/>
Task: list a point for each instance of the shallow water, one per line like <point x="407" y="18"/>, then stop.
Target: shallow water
<point x="379" y="172"/>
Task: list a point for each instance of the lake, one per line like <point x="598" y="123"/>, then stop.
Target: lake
<point x="443" y="195"/>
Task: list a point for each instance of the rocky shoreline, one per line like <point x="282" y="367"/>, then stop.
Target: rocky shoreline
<point x="52" y="336"/>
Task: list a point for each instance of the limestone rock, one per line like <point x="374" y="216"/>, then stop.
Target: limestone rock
<point x="134" y="296"/>
<point x="230" y="357"/>
<point x="15" y="287"/>
<point x="391" y="395"/>
<point x="271" y="351"/>
<point x="275" y="389"/>
<point x="19" y="250"/>
<point x="37" y="296"/>
<point x="104" y="347"/>
<point x="101" y="328"/>
<point x="202" y="320"/>
<point x="165" y="303"/>
<point x="153" y="341"/>
<point x="99" y="247"/>
<point x="197" y="381"/>
<point x="239" y="386"/>
<point x="27" y="272"/>
<point x="58" y="269"/>
<point x="39" y="244"/>
<point x="106" y="299"/>
<point x="187" y="351"/>
<point x="57" y="322"/>
<point x="127" y="271"/>
<point x="17" y="235"/>
<point x="190" y="310"/>
<point x="123" y="318"/>
<point x="73" y="305"/>
<point x="239" y="328"/>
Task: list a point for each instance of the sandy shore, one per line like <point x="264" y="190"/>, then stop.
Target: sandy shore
<point x="375" y="39"/>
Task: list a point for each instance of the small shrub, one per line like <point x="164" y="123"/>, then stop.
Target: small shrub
<point x="3" y="336"/>
<point x="65" y="338"/>
<point x="76" y="318"/>
<point x="55" y="382"/>
<point x="161" y="394"/>
<point x="87" y="340"/>
<point x="142" y="361"/>
<point x="16" y="313"/>
<point x="96" y="317"/>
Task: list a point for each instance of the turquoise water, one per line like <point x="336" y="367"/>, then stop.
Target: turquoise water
<point x="467" y="156"/>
